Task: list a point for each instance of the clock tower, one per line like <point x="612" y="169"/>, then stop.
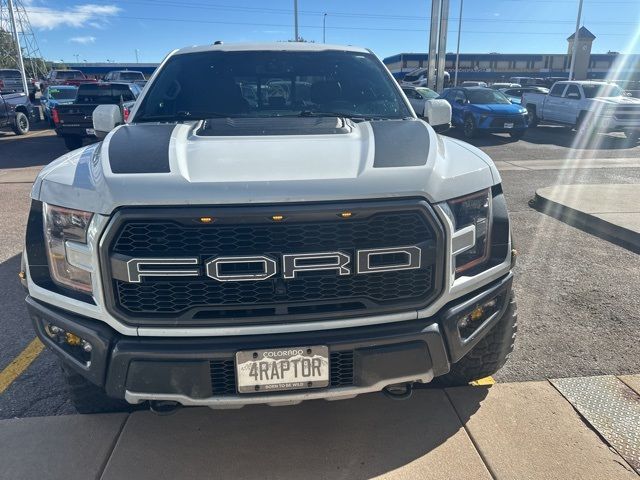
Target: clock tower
<point x="583" y="55"/>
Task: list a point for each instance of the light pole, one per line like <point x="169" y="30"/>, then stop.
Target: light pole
<point x="295" y="19"/>
<point x="137" y="52"/>
<point x="16" y="39"/>
<point x="324" y="28"/>
<point x="574" y="50"/>
<point x="455" y="77"/>
<point x="77" y="57"/>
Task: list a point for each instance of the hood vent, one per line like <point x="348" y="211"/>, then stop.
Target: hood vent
<point x="225" y="127"/>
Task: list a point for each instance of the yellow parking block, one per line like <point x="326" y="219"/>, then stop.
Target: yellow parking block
<point x="483" y="381"/>
<point x="20" y="364"/>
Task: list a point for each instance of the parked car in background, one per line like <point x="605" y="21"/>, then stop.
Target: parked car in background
<point x="428" y="105"/>
<point x="74" y="121"/>
<point x="11" y="82"/>
<point x="129" y="76"/>
<point x="66" y="77"/>
<point x="418" y="78"/>
<point x="604" y="106"/>
<point x="529" y="81"/>
<point x="473" y="83"/>
<point x="632" y="87"/>
<point x="54" y="96"/>
<point x="515" y="94"/>
<point x="500" y="86"/>
<point x="16" y="112"/>
<point x="483" y="110"/>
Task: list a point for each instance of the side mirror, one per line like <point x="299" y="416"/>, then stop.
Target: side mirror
<point x="105" y="119"/>
<point x="438" y="114"/>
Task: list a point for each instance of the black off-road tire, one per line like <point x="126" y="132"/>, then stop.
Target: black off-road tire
<point x="89" y="398"/>
<point x="489" y="355"/>
<point x="72" y="142"/>
<point x="20" y="124"/>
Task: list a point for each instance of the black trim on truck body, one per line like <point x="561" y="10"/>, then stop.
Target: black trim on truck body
<point x="141" y="149"/>
<point x="248" y="215"/>
<point x="119" y="363"/>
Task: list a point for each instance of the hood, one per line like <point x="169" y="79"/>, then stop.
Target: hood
<point x="498" y="108"/>
<point x="616" y="100"/>
<point x="168" y="164"/>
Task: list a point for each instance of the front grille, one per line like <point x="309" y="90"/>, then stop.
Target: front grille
<point x="627" y="112"/>
<point x="498" y="122"/>
<point x="223" y="375"/>
<point x="198" y="300"/>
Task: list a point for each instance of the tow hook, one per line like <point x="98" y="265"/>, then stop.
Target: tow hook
<point x="400" y="391"/>
<point x="163" y="407"/>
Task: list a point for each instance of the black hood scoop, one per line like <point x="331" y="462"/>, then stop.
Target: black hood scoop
<point x="234" y="127"/>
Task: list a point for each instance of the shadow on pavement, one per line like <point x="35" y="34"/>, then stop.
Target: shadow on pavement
<point x="37" y="148"/>
<point x="355" y="439"/>
<point x="565" y="137"/>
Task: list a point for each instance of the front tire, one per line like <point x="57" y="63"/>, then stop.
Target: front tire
<point x="533" y="117"/>
<point x="73" y="142"/>
<point x="89" y="398"/>
<point x="21" y="124"/>
<point x="469" y="127"/>
<point x="489" y="354"/>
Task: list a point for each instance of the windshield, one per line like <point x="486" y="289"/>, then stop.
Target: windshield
<point x="271" y="84"/>
<point x="131" y="76"/>
<point x="69" y="74"/>
<point x="427" y="93"/>
<point x="10" y="74"/>
<point x="601" y="90"/>
<point x="414" y="75"/>
<point x="486" y="96"/>
<point x="104" y="94"/>
<point x="63" y="94"/>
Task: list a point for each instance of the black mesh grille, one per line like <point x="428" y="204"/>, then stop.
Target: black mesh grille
<point x="200" y="299"/>
<point x="171" y="238"/>
<point x="223" y="375"/>
<point x="341" y="365"/>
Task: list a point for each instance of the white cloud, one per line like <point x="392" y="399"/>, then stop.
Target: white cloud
<point x="83" y="40"/>
<point x="77" y="16"/>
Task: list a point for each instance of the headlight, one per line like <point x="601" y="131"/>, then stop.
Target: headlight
<point x="63" y="225"/>
<point x="471" y="210"/>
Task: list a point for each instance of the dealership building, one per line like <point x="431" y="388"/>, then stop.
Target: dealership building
<point x="501" y="66"/>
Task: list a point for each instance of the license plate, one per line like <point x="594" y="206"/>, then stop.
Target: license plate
<point x="282" y="369"/>
<point x="508" y="125"/>
<point x="90" y="131"/>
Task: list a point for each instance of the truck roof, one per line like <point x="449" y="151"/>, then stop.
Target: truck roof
<point x="584" y="82"/>
<point x="275" y="46"/>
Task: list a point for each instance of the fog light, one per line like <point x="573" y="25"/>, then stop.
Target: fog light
<point x="470" y="323"/>
<point x="72" y="339"/>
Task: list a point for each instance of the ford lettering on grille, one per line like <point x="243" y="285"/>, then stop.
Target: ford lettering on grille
<point x="263" y="267"/>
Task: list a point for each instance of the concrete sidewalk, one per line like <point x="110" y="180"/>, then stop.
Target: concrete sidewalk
<point x="505" y="431"/>
<point x="611" y="211"/>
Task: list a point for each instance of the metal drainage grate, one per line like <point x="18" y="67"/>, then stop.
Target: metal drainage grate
<point x="611" y="407"/>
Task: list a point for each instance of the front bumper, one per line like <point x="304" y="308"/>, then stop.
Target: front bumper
<point x="182" y="369"/>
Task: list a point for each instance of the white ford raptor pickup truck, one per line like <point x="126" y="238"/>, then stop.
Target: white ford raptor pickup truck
<point x="271" y="224"/>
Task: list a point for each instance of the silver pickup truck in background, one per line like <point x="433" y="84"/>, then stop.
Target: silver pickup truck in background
<point x="598" y="106"/>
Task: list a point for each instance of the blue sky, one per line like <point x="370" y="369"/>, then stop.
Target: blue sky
<point x="115" y="29"/>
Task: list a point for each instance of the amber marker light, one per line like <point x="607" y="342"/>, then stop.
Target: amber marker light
<point x="346" y="214"/>
<point x="206" y="219"/>
<point x="277" y="218"/>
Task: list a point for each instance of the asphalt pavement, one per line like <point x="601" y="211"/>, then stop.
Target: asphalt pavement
<point x="578" y="295"/>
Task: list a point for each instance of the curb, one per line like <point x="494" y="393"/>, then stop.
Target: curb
<point x="589" y="223"/>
